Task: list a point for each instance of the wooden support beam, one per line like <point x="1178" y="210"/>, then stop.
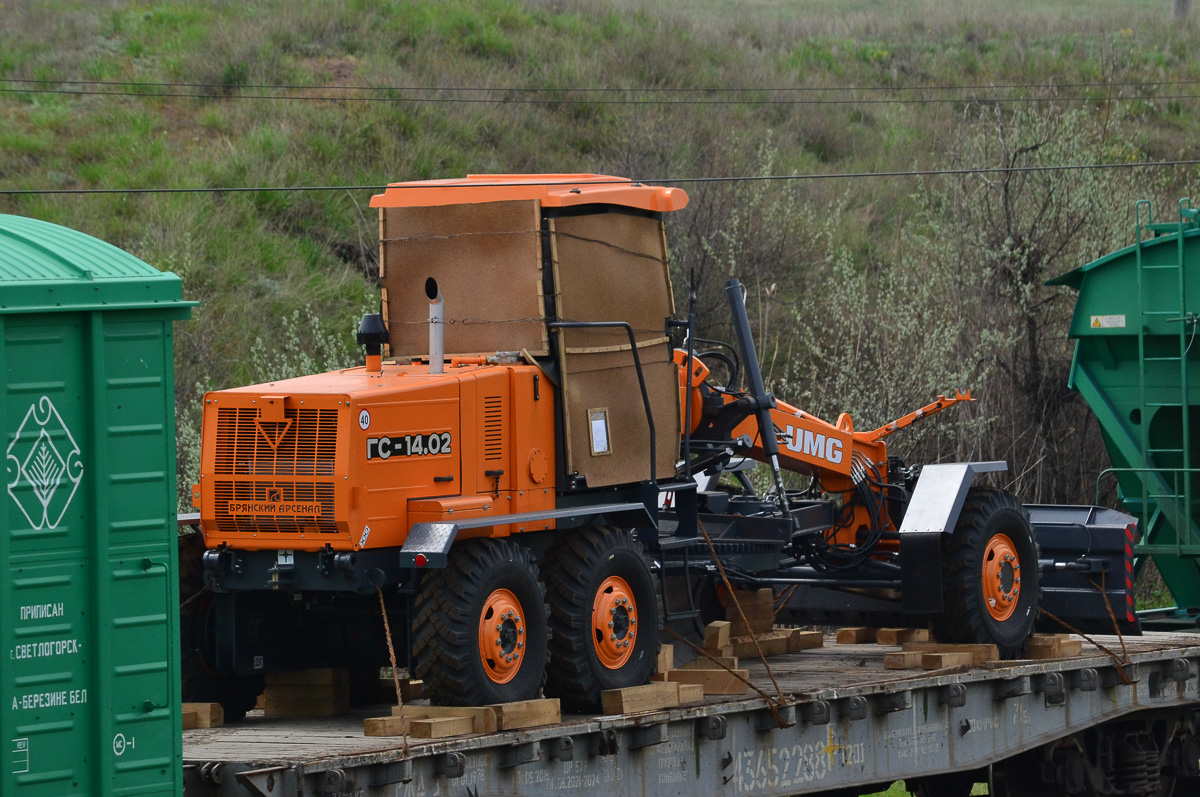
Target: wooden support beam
<point x="634" y="699"/>
<point x="716" y="635"/>
<point x="320" y="675"/>
<point x="1053" y="646"/>
<point x="440" y="727"/>
<point x="855" y="635"/>
<point x="710" y="664"/>
<point x="898" y="636"/>
<point x="774" y="643"/>
<point x="666" y="658"/>
<point x="203" y="715"/>
<point x="483" y="718"/>
<point x="804" y="640"/>
<point x="385" y="726"/>
<point x="909" y="660"/>
<point x="309" y="691"/>
<point x="324" y="707"/>
<point x="938" y="661"/>
<point x="527" y="714"/>
<point x="982" y="653"/>
<point x="715" y="682"/>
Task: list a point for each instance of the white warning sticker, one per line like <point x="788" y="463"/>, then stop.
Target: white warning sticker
<point x="1108" y="322"/>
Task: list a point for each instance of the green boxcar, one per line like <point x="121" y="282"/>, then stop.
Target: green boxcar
<point x="1135" y="327"/>
<point x="89" y="621"/>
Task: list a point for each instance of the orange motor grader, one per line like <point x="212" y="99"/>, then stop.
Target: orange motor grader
<point x="524" y="472"/>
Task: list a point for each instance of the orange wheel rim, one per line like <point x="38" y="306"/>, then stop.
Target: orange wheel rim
<point x="1001" y="577"/>
<point x="614" y="622"/>
<point x="501" y="636"/>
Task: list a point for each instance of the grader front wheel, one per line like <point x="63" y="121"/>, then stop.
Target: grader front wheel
<point x="991" y="577"/>
<point x="479" y="630"/>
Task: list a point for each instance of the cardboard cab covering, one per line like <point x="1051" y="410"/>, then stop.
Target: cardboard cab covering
<point x="507" y="265"/>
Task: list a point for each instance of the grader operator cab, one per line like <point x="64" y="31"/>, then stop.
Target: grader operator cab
<point x="513" y="476"/>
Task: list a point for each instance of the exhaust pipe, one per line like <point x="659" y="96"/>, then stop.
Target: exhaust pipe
<point x="437" y="327"/>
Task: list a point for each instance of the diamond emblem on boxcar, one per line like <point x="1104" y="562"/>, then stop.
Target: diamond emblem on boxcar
<point x="44" y="466"/>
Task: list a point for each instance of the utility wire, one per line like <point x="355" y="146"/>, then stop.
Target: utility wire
<point x="594" y="90"/>
<point x="615" y="181"/>
<point x="519" y="101"/>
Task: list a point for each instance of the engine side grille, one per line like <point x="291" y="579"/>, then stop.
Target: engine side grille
<point x="493" y="428"/>
<point x="304" y="444"/>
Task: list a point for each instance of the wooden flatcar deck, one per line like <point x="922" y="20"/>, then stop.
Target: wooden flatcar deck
<point x="827" y="673"/>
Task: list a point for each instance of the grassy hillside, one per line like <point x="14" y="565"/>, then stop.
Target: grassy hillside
<point x="868" y="294"/>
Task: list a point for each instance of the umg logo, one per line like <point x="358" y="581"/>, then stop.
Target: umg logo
<point x="44" y="467"/>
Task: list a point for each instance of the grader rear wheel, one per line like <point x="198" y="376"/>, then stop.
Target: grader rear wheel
<point x="991" y="576"/>
<point x="479" y="630"/>
<point x="604" y="616"/>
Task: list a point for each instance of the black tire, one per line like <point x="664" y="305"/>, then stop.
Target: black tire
<point x="199" y="682"/>
<point x="450" y="610"/>
<point x="968" y="557"/>
<point x="576" y="566"/>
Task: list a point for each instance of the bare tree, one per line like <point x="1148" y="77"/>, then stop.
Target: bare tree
<point x="1182" y="7"/>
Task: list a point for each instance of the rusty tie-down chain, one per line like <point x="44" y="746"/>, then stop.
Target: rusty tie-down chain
<point x="387" y="630"/>
<point x="773" y="703"/>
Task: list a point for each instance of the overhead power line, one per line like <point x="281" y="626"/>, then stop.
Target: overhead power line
<point x="662" y="181"/>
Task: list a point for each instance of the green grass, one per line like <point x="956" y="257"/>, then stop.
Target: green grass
<point x="252" y="258"/>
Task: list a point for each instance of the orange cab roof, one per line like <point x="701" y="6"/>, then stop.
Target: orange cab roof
<point x="552" y="190"/>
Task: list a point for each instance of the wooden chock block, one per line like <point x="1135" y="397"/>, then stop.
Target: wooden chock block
<point x="319" y="675"/>
<point x="385" y="726"/>
<point x="527" y="714"/>
<point x="716" y="635"/>
<point x="855" y="636"/>
<point x="440" y="727"/>
<point x="715" y="682"/>
<point x="691" y="693"/>
<point x="746" y="598"/>
<point x="483" y="718"/>
<point x="206" y="715"/>
<point x="308" y="692"/>
<point x="909" y="660"/>
<point x="982" y="653"/>
<point x="634" y="699"/>
<point x="762" y="625"/>
<point x="804" y="640"/>
<point x="324" y="707"/>
<point x="714" y="663"/>
<point x="898" y="636"/>
<point x="1053" y="646"/>
<point x="666" y="658"/>
<point x="938" y="661"/>
<point x="772" y="644"/>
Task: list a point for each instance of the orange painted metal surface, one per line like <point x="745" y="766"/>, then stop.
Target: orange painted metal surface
<point x="1001" y="577"/>
<point x="501" y="636"/>
<point x="352" y="458"/>
<point x="614" y="622"/>
<point x="814" y="447"/>
<point x="551" y="190"/>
